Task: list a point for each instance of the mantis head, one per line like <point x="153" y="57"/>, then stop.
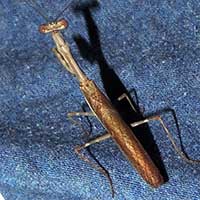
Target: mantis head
<point x="53" y="26"/>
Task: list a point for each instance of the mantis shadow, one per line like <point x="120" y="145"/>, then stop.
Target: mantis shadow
<point x="112" y="84"/>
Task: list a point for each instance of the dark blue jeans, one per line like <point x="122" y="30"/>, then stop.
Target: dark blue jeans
<point x="149" y="47"/>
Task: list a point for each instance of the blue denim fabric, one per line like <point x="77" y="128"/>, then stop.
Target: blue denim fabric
<point x="153" y="47"/>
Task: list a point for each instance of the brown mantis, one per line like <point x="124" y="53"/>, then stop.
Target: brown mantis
<point x="105" y="112"/>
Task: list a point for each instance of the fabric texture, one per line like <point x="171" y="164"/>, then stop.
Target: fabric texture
<point x="149" y="49"/>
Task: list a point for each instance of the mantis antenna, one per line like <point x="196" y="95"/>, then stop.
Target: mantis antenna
<point x="65" y="8"/>
<point x="37" y="8"/>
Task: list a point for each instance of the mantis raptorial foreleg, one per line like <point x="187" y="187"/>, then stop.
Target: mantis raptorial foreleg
<point x="61" y="59"/>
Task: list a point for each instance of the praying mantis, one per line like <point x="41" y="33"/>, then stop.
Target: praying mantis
<point x="105" y="112"/>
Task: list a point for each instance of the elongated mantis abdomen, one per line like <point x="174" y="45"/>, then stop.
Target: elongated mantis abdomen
<point x="121" y="133"/>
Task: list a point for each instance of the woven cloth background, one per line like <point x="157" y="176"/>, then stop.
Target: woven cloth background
<point x="147" y="47"/>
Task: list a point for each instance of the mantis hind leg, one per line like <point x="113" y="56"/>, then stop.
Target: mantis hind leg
<point x="169" y="135"/>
